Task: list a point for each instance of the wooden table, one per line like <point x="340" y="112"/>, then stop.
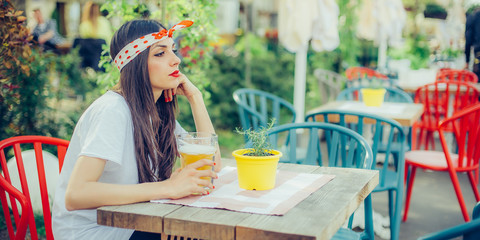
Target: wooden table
<point x="319" y="216"/>
<point x="404" y="113"/>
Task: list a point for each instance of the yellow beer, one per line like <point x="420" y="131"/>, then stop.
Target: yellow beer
<point x="194" y="146"/>
<point x="190" y="153"/>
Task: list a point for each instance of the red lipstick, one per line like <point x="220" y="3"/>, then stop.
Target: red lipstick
<point x="176" y="74"/>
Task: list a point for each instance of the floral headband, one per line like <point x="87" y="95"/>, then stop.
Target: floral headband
<point x="131" y="50"/>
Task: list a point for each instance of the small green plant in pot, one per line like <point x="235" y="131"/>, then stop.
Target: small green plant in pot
<point x="257" y="166"/>
<point x="374" y="93"/>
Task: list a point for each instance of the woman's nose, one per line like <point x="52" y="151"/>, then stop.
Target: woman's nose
<point x="175" y="60"/>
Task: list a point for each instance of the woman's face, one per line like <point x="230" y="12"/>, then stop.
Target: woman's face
<point x="163" y="66"/>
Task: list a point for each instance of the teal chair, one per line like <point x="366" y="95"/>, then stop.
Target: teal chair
<point x="392" y="94"/>
<point x="330" y="84"/>
<point x="256" y="108"/>
<point x="468" y="231"/>
<point x="391" y="179"/>
<point x="343" y="148"/>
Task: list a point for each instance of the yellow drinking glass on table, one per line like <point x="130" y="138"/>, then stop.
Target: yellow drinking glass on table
<point x="194" y="146"/>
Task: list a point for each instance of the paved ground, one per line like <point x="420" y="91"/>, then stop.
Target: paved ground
<point x="433" y="206"/>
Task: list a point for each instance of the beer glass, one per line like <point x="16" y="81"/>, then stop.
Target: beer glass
<point x="194" y="146"/>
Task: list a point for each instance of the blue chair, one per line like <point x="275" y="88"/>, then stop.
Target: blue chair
<point x="392" y="94"/>
<point x="469" y="230"/>
<point x="330" y="84"/>
<point x="256" y="108"/>
<point x="391" y="180"/>
<point x="344" y="148"/>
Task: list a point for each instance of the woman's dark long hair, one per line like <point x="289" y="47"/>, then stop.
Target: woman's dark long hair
<point x="153" y="123"/>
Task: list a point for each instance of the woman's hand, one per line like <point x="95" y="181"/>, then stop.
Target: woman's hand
<point x="186" y="87"/>
<point x="188" y="181"/>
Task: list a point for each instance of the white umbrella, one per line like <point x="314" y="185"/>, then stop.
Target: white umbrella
<point x="298" y="23"/>
<point x="382" y="21"/>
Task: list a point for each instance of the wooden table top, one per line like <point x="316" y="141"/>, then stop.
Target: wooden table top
<point x="319" y="216"/>
<point x="404" y="113"/>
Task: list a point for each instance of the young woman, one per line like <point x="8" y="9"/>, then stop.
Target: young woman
<point x="93" y="24"/>
<point x="123" y="147"/>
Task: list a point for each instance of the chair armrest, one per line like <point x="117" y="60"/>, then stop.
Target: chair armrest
<point x="464" y="229"/>
<point x="24" y="203"/>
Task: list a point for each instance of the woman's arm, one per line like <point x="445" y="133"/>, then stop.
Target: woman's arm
<point x="85" y="192"/>
<point x="202" y="120"/>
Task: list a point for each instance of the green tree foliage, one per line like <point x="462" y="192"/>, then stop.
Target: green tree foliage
<point x="16" y="56"/>
<point x="195" y="43"/>
<point x="31" y="80"/>
<point x="271" y="72"/>
<point x="349" y="44"/>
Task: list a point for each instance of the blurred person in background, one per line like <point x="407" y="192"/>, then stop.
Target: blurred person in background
<point x="93" y="24"/>
<point x="95" y="31"/>
<point x="45" y="32"/>
<point x="472" y="37"/>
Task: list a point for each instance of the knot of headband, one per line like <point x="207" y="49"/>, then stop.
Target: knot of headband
<point x="131" y="50"/>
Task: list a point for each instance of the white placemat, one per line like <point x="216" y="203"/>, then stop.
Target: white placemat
<point x="290" y="189"/>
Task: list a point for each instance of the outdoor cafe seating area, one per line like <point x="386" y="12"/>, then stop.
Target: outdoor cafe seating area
<point x="367" y="112"/>
<point x="433" y="128"/>
<point x="404" y="132"/>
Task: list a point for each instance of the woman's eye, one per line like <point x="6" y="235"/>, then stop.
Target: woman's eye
<point x="159" y="54"/>
<point x="175" y="50"/>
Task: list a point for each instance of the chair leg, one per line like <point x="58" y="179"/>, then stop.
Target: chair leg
<point x="413" y="139"/>
<point x="369" y="217"/>
<point x="406" y="174"/>
<point x="474" y="183"/>
<point x="390" y="207"/>
<point x="476" y="176"/>
<point x="409" y="192"/>
<point x="395" y="159"/>
<point x="391" y="213"/>
<point x="421" y="139"/>
<point x="458" y="192"/>
<point x="395" y="215"/>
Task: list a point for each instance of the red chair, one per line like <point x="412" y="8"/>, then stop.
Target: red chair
<point x="353" y="73"/>
<point x="457" y="75"/>
<point x="440" y="99"/>
<point x="363" y="77"/>
<point x="24" y="218"/>
<point x="466" y="132"/>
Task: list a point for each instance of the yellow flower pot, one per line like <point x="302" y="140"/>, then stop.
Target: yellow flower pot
<point x="373" y="97"/>
<point x="256" y="173"/>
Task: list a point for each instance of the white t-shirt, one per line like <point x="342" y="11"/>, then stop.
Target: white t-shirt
<point x="105" y="131"/>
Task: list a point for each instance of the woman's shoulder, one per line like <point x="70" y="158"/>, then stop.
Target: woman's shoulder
<point x="108" y="104"/>
<point x="109" y="112"/>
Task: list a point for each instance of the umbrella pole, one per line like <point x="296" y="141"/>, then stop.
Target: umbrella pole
<point x="300" y="82"/>
<point x="382" y="52"/>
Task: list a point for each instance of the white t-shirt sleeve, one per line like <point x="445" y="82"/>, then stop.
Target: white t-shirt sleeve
<point x="178" y="128"/>
<point x="105" y="133"/>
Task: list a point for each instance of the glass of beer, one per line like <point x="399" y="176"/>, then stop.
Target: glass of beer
<point x="194" y="146"/>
